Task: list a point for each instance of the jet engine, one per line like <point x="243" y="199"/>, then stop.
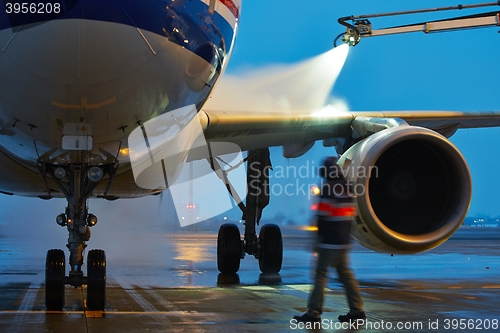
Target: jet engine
<point x="413" y="189"/>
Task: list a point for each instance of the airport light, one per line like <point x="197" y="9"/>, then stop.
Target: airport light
<point x="91" y="220"/>
<point x="62" y="160"/>
<point x="59" y="172"/>
<point x="309" y="228"/>
<point x="61" y="220"/>
<point x="95" y="159"/>
<point x="95" y="174"/>
<point x="315" y="190"/>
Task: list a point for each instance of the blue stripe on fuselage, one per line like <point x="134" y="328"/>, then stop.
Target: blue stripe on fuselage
<point x="186" y="23"/>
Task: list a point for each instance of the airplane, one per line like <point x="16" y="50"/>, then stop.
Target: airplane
<point x="79" y="77"/>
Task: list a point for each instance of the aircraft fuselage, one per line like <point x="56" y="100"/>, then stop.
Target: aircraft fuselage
<point x="100" y="69"/>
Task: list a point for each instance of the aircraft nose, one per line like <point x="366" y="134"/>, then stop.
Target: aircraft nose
<point x="76" y="51"/>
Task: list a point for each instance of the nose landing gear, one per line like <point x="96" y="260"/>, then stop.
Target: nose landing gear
<point x="55" y="280"/>
<point x="96" y="280"/>
<point x="55" y="266"/>
<point x="76" y="181"/>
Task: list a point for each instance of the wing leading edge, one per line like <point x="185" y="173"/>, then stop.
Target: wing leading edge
<point x="257" y="130"/>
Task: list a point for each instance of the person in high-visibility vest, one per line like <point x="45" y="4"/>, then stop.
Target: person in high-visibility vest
<point x="334" y="214"/>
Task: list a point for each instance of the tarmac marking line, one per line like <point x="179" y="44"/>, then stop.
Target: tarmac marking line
<point x="26" y="304"/>
<point x="145" y="305"/>
<point x="161" y="300"/>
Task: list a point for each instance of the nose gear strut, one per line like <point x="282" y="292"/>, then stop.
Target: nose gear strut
<point x="76" y="180"/>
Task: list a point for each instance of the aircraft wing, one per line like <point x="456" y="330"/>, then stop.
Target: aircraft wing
<point x="439" y="120"/>
<point x="273" y="106"/>
<point x="258" y="130"/>
<point x="250" y="130"/>
<point x="414" y="185"/>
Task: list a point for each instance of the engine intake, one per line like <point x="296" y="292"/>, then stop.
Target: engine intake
<point x="413" y="189"/>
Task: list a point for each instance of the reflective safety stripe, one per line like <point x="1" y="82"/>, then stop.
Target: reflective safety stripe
<point x="332" y="210"/>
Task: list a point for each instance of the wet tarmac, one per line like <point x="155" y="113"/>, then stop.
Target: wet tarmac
<point x="170" y="283"/>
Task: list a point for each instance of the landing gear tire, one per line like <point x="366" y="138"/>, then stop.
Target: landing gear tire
<point x="271" y="249"/>
<point x="228" y="249"/>
<point x="55" y="266"/>
<point x="96" y="280"/>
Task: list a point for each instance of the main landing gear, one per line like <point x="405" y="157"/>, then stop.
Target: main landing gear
<point x="76" y="181"/>
<point x="268" y="247"/>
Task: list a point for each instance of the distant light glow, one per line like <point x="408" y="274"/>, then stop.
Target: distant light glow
<point x="309" y="228"/>
<point x="315" y="190"/>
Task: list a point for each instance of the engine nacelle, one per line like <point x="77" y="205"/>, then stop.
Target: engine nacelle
<point x="413" y="189"/>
